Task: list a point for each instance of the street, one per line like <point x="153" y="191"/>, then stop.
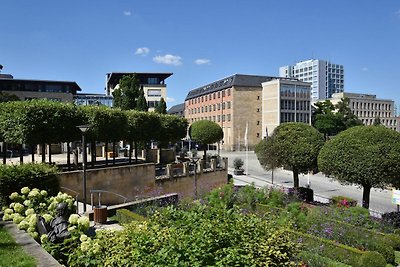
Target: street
<point x="381" y="199"/>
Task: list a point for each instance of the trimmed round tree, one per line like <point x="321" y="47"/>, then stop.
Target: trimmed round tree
<point x="368" y="156"/>
<point x="293" y="146"/>
<point x="206" y="132"/>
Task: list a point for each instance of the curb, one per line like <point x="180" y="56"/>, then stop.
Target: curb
<point x="30" y="246"/>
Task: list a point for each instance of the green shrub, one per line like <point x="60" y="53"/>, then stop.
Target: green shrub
<point x="305" y="193"/>
<point x="223" y="196"/>
<point x="32" y="175"/>
<point x="372" y="259"/>
<point x="393" y="240"/>
<point x="327" y="248"/>
<point x="125" y="216"/>
<point x="315" y="260"/>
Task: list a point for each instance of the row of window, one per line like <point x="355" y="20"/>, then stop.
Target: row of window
<point x="214" y="95"/>
<point x="217" y="118"/>
<point x="372" y="114"/>
<point x="386" y="122"/>
<point x="295" y="91"/>
<point x="295" y="117"/>
<point x="373" y="106"/>
<point x="209" y="108"/>
<point x="295" y="105"/>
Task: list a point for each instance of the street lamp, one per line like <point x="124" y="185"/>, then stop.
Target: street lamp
<point x="194" y="160"/>
<point x="84" y="129"/>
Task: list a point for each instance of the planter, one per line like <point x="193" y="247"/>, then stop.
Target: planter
<point x="238" y="172"/>
<point x="100" y="214"/>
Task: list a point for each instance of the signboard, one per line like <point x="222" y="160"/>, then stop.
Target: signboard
<point x="396" y="197"/>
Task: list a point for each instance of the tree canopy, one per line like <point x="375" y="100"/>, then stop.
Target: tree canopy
<point x="331" y="119"/>
<point x="293" y="146"/>
<point x="206" y="132"/>
<point x="368" y="156"/>
<point x="128" y="92"/>
<point x="161" y="107"/>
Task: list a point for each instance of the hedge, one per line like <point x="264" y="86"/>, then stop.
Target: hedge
<point x="32" y="175"/>
<point x="315" y="260"/>
<point x="127" y="216"/>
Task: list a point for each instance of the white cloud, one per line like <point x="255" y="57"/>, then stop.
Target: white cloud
<point x="127" y="13"/>
<point x="142" y="51"/>
<point x="202" y="61"/>
<point x="168" y="60"/>
<point x="364" y="69"/>
<point x="170" y="99"/>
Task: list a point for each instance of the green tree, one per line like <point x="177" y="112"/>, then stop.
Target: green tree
<point x="293" y="146"/>
<point x="161" y="107"/>
<point x="348" y="118"/>
<point x="206" y="132"/>
<point x="368" y="156"/>
<point x="126" y="96"/>
<point x="5" y="97"/>
<point x="377" y="121"/>
<point x="141" y="104"/>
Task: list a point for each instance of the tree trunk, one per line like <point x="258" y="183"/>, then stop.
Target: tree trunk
<point x="113" y="152"/>
<point x="43" y="151"/>
<point x="366" y="196"/>
<point x="21" y="155"/>
<point x="136" y="152"/>
<point x="93" y="153"/>
<point x="130" y="151"/>
<point x="68" y="156"/>
<point x="205" y="153"/>
<point x="106" y="151"/>
<point x="4" y="152"/>
<point x="49" y="145"/>
<point x="32" y="153"/>
<point x="295" y="179"/>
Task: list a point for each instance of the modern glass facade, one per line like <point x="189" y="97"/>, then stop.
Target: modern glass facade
<point x="93" y="100"/>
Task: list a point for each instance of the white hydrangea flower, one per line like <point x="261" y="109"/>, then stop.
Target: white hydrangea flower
<point x="8" y="211"/>
<point x="34" y="235"/>
<point x="83" y="238"/>
<point x="14" y="196"/>
<point x="18" y="207"/>
<point x="85" y="246"/>
<point x="71" y="228"/>
<point x="47" y="217"/>
<point x="43" y="193"/>
<point x="7" y="217"/>
<point x="25" y="190"/>
<point x="12" y="205"/>
<point x="23" y="225"/>
<point x="83" y="223"/>
<point x="27" y="203"/>
<point x="73" y="219"/>
<point x="34" y="193"/>
<point x="29" y="212"/>
<point x="44" y="238"/>
<point x="17" y="218"/>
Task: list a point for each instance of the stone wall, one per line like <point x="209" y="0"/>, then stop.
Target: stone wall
<point x="138" y="181"/>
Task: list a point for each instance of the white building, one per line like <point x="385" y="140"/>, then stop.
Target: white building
<point x="326" y="78"/>
<point x="153" y="85"/>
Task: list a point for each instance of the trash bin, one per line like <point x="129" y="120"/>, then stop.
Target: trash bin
<point x="100" y="214"/>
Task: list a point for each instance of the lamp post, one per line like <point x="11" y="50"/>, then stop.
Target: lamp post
<point x="194" y="160"/>
<point x="84" y="129"/>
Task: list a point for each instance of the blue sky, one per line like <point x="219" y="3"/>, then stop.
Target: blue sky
<point x="200" y="41"/>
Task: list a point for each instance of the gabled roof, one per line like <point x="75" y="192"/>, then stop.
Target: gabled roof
<point x="177" y="108"/>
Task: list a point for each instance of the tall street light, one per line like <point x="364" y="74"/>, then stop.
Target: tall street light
<point x="84" y="129"/>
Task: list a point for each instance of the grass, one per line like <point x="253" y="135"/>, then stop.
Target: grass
<point x="12" y="254"/>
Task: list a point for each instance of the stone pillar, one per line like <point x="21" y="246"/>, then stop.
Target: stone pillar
<point x="186" y="168"/>
<point x="200" y="165"/>
<point x="170" y="171"/>
<point x="213" y="165"/>
<point x="225" y="160"/>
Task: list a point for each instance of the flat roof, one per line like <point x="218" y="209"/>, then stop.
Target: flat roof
<point x="74" y="84"/>
<point x="114" y="77"/>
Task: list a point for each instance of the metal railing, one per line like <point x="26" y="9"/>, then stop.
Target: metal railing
<point x="99" y="192"/>
<point x="76" y="196"/>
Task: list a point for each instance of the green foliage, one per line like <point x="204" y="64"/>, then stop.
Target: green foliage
<point x="315" y="260"/>
<point x="364" y="155"/>
<point x="12" y="254"/>
<point x="372" y="259"/>
<point x="5" y="97"/>
<point x="173" y="128"/>
<point x="199" y="236"/>
<point x="125" y="97"/>
<point x="344" y="201"/>
<point x="15" y="177"/>
<point x="267" y="155"/>
<point x="141" y="104"/>
<point x="206" y="132"/>
<point x="125" y="216"/>
<point x="296" y="147"/>
<point x="238" y="163"/>
<point x="327" y="248"/>
<point x="161" y="107"/>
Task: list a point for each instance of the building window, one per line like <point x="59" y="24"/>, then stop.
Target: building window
<point x="223" y="93"/>
<point x="219" y="94"/>
<point x="214" y="96"/>
<point x="229" y="117"/>
<point x="229" y="104"/>
<point x="258" y="110"/>
<point x="152" y="81"/>
<point x="229" y="92"/>
<point x="223" y="105"/>
<point x="214" y="107"/>
<point x="258" y="135"/>
<point x="258" y="97"/>
<point x="154" y="92"/>
<point x="219" y="106"/>
<point x="258" y="122"/>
